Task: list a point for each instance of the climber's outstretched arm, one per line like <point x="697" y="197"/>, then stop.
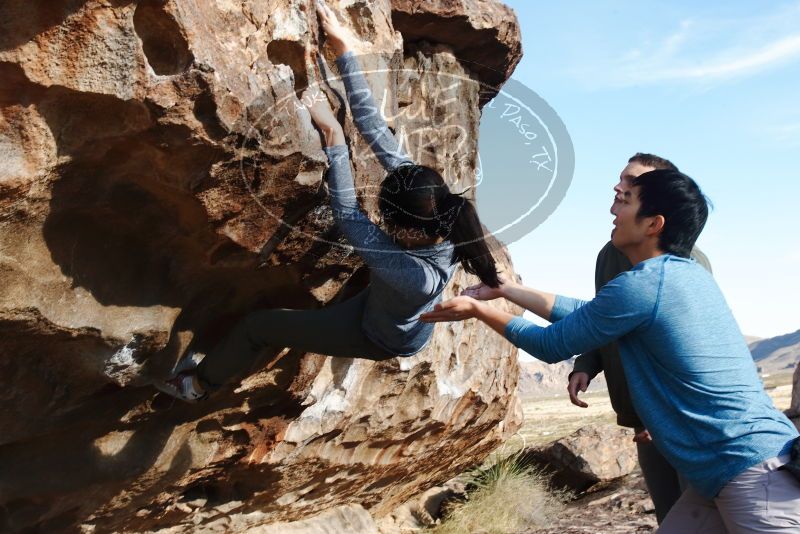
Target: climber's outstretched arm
<point x="407" y="273"/>
<point x="322" y="116"/>
<point x="366" y="114"/>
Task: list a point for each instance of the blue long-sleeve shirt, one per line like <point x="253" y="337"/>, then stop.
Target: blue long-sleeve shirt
<point x="691" y="375"/>
<point x="404" y="283"/>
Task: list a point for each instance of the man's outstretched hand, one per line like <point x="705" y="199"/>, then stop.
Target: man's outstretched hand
<point x="455" y="309"/>
<point x="577" y="382"/>
<point x="464" y="307"/>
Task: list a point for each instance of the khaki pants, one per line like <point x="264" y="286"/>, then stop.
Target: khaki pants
<point x="761" y="499"/>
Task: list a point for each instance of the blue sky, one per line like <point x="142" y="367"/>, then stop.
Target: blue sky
<point x="713" y="86"/>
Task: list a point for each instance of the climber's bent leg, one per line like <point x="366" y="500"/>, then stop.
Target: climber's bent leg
<point x="333" y="330"/>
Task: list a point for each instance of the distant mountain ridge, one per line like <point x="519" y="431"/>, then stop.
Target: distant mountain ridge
<point x="537" y="379"/>
<point x="777" y="354"/>
<point x="772" y="355"/>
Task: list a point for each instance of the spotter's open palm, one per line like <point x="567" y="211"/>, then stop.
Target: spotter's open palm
<point x="455" y="309"/>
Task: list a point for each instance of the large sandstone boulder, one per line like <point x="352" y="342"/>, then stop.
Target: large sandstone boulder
<point x="156" y="183"/>
<point x="594" y="454"/>
<point x="483" y="34"/>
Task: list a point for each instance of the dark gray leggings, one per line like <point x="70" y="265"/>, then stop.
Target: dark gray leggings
<point x="333" y="330"/>
<point x="664" y="484"/>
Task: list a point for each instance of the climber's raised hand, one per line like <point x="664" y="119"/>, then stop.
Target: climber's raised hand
<point x="315" y="101"/>
<point x="339" y="37"/>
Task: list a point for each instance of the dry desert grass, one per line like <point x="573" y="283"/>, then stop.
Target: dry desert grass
<point x="550" y="418"/>
<point x="504" y="498"/>
<point x="507" y="499"/>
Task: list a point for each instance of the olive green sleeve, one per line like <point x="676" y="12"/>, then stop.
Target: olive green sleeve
<point x="591" y="362"/>
<point x="700" y="257"/>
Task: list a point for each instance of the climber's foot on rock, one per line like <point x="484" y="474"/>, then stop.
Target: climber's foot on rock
<point x="183" y="383"/>
<point x="188" y="363"/>
<point x="184" y="386"/>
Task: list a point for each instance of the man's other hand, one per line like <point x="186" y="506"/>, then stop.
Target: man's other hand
<point x="643" y="437"/>
<point x="577" y="382"/>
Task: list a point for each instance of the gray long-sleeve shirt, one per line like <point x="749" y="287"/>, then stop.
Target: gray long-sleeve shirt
<point x="404" y="283"/>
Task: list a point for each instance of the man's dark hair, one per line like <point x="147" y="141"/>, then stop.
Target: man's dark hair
<point x="680" y="201"/>
<point x="651" y="160"/>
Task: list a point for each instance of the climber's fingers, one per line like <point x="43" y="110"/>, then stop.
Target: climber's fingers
<point x="325" y="13"/>
<point x="340" y="37"/>
<point x="328" y="11"/>
<point x="321" y="9"/>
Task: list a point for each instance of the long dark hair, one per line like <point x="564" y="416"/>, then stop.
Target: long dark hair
<point x="415" y="197"/>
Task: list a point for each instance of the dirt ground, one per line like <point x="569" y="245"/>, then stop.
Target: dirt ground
<point x="621" y="508"/>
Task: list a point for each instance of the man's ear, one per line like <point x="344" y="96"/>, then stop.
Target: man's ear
<point x="656" y="225"/>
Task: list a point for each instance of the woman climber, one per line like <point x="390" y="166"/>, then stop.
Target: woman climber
<point x="428" y="230"/>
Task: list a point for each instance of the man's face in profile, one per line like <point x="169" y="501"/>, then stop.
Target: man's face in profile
<point x="631" y="171"/>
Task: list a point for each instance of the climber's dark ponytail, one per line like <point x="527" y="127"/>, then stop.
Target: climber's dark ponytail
<point x="415" y="196"/>
<point x="470" y="245"/>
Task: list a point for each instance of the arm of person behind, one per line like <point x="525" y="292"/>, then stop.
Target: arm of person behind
<point x="590" y="363"/>
<point x="609" y="263"/>
<point x="607" y="266"/>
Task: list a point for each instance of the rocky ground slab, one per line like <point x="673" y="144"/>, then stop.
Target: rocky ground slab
<point x="622" y="508"/>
